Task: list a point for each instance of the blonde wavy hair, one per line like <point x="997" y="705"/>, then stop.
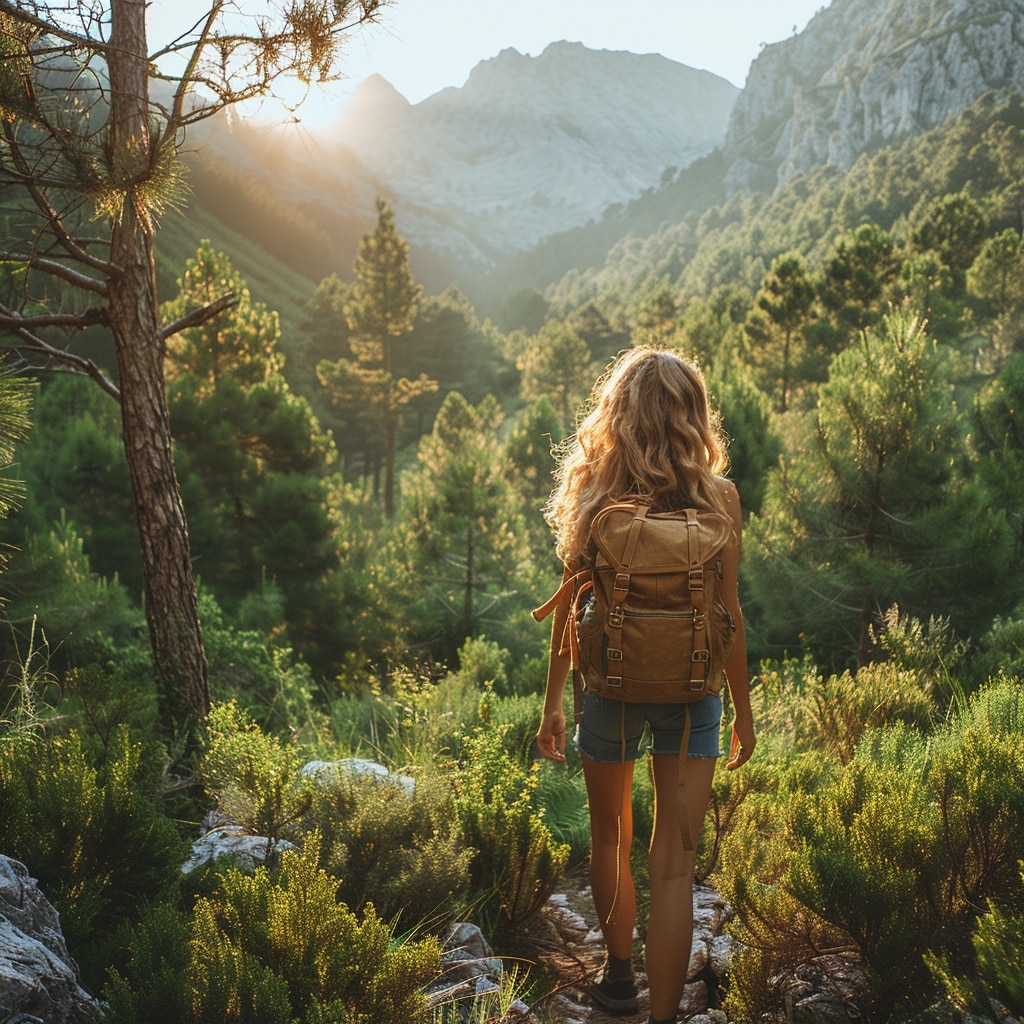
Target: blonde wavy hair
<point x="650" y="434"/>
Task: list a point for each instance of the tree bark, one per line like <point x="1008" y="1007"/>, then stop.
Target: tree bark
<point x="170" y="593"/>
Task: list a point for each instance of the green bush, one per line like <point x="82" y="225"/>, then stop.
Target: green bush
<point x="264" y="680"/>
<point x="518" y="862"/>
<point x="253" y="777"/>
<point x="86" y="824"/>
<point x="890" y="855"/>
<point x="273" y="949"/>
<point x="998" y="944"/>
<point x="797" y="708"/>
<point x="401" y="852"/>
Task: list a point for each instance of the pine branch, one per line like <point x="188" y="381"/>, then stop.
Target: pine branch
<point x="45" y="207"/>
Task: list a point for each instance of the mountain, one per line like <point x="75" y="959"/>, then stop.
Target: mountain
<point x="539" y="166"/>
<point x="530" y="146"/>
<point x="866" y="73"/>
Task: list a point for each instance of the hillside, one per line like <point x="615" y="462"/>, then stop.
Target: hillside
<point x="862" y="76"/>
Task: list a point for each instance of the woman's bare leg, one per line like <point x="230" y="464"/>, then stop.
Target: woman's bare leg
<point x="670" y="927"/>
<point x="609" y="788"/>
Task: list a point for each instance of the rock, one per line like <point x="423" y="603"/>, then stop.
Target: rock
<point x="231" y="841"/>
<point x="569" y="925"/>
<point x="828" y="990"/>
<point x="355" y="767"/>
<point x="38" y="979"/>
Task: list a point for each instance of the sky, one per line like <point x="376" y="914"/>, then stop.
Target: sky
<point x="423" y="46"/>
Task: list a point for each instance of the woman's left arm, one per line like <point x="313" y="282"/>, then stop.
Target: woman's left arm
<point x="736" y="669"/>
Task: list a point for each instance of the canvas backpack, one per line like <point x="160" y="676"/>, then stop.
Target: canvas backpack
<point x="647" y="623"/>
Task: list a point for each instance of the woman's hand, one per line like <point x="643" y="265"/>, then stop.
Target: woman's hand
<point x="551" y="736"/>
<point x="742" y="745"/>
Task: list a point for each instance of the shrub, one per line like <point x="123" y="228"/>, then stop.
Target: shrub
<point x="273" y="949"/>
<point x="86" y="824"/>
<point x="890" y="855"/>
<point x="265" y="681"/>
<point x="998" y="979"/>
<point x="518" y="862"/>
<point x="403" y="853"/>
<point x="253" y="777"/>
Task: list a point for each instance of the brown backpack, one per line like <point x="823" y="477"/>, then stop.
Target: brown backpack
<point x="647" y="623"/>
<point x="651" y="626"/>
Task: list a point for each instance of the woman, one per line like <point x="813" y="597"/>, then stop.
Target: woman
<point x="650" y="435"/>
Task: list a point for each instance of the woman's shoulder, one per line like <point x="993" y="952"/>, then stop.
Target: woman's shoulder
<point x="725" y="489"/>
<point x="729" y="497"/>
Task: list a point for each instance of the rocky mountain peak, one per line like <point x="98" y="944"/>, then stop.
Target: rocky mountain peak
<point x="865" y="73"/>
<point x="534" y="145"/>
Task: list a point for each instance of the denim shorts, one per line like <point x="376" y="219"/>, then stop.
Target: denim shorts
<point x="599" y="733"/>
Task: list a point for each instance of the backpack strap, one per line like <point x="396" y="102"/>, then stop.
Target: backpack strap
<point x="700" y="659"/>
<point x="570" y="592"/>
<point x="620" y="591"/>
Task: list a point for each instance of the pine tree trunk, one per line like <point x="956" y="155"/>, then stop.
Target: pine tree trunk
<point x="390" y="440"/>
<point x="170" y="592"/>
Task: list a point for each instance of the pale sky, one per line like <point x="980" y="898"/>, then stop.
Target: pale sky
<point x="422" y="46"/>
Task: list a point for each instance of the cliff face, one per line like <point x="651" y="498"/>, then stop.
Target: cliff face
<point x="865" y="73"/>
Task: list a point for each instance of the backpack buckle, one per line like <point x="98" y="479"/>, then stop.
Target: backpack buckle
<point x="614" y="654"/>
<point x="613" y="681"/>
<point x="615" y="616"/>
<point x="701" y="656"/>
<point x="696" y="579"/>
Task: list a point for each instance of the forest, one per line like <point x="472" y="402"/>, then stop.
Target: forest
<point x="363" y="467"/>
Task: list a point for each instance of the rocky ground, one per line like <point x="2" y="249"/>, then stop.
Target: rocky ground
<point x="565" y="942"/>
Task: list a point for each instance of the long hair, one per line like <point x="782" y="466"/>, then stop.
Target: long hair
<point x="650" y="435"/>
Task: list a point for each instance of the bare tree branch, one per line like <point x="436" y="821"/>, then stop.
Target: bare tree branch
<point x="198" y="317"/>
<point x="56" y="269"/>
<point x="49" y="28"/>
<point x="186" y="79"/>
<point x="10" y="318"/>
<point x="30" y="342"/>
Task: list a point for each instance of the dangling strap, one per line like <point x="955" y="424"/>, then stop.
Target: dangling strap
<point x="684" y="818"/>
<point x="618" y="819"/>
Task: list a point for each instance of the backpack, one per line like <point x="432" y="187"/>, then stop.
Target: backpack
<point x="647" y="623"/>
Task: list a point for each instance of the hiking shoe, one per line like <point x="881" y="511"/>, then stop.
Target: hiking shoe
<point x="618" y="996"/>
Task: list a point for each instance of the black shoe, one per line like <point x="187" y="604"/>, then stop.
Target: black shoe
<point x="616" y="997"/>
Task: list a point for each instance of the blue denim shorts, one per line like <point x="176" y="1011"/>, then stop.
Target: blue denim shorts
<point x="599" y="733"/>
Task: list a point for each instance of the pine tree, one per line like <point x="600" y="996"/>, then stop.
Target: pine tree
<point x="462" y="531"/>
<point x="381" y="309"/>
<point x="90" y="160"/>
<point x="782" y="308"/>
<point x="877" y="507"/>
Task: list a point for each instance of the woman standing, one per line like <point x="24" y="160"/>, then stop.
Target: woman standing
<point x="650" y="437"/>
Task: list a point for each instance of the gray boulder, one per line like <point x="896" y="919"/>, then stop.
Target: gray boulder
<point x="38" y="978"/>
